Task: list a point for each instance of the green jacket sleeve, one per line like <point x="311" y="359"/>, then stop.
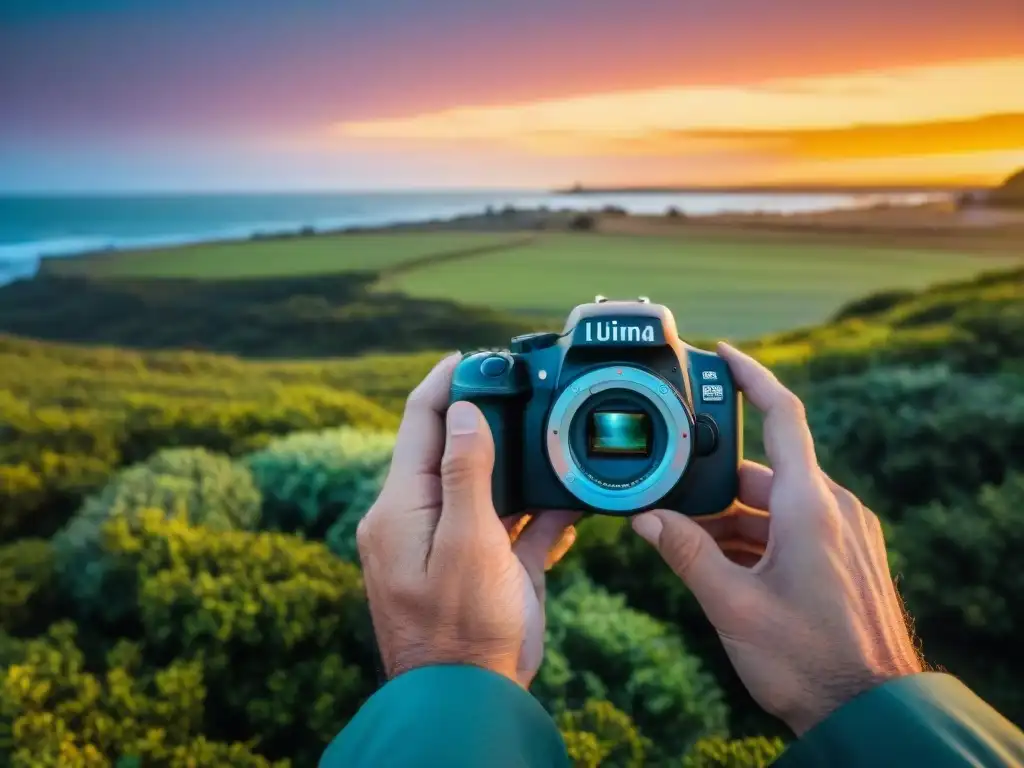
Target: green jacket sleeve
<point x="451" y="716"/>
<point x="930" y="719"/>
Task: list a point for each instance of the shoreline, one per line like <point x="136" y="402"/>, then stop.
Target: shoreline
<point x="910" y="218"/>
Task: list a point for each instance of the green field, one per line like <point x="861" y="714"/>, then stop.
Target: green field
<point x="284" y="256"/>
<point x="717" y="286"/>
<point x="714" y="287"/>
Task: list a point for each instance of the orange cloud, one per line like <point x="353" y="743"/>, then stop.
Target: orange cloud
<point x="983" y="134"/>
<point x="950" y="92"/>
<point x="956" y="121"/>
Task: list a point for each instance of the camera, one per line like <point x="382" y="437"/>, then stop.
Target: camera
<point x="615" y="415"/>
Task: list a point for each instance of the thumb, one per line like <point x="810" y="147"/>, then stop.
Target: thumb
<point x="694" y="556"/>
<point x="466" y="474"/>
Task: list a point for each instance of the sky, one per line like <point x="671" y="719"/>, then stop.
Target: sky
<point x="371" y="94"/>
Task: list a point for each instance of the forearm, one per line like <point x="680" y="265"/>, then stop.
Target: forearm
<point x="456" y="716"/>
<point x="927" y="719"/>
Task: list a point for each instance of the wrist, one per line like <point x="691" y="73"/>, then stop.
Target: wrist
<point x="421" y="658"/>
<point x="841" y="692"/>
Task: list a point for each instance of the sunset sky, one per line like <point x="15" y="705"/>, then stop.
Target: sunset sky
<point x="369" y="94"/>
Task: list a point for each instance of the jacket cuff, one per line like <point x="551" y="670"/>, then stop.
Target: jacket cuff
<point x="926" y="719"/>
<point x="450" y="715"/>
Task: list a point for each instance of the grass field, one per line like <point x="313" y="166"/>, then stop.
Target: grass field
<point x="285" y="256"/>
<point x="717" y="286"/>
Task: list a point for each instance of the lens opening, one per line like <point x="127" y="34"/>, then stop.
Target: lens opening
<point x="619" y="433"/>
<point x="619" y="438"/>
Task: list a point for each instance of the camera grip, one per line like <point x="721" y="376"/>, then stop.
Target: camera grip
<point x="493" y="384"/>
<point x="503" y="484"/>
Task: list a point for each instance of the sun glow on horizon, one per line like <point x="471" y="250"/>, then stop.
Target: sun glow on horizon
<point x="956" y="120"/>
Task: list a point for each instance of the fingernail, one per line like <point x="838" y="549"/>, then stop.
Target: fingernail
<point x="648" y="527"/>
<point x="463" y="419"/>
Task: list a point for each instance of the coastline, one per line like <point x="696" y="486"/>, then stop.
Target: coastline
<point x="911" y="214"/>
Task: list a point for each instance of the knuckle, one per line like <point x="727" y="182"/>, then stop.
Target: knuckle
<point x="415" y="399"/>
<point x="792" y="406"/>
<point x="874" y="524"/>
<point x="367" y="533"/>
<point x="847" y="501"/>
<point x="457" y="467"/>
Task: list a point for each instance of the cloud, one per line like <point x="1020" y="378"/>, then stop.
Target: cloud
<point x="954" y="107"/>
<point x="983" y="134"/>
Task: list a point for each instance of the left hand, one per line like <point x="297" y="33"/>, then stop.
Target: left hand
<point x="449" y="582"/>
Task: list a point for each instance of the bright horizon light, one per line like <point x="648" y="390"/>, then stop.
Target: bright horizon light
<point x="961" y="121"/>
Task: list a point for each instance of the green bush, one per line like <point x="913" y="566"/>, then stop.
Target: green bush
<point x="280" y="627"/>
<point x="920" y="434"/>
<point x="27" y="585"/>
<point x="871" y="305"/>
<point x="636" y="663"/>
<point x="55" y="712"/>
<point x="962" y="579"/>
<point x="190" y="483"/>
<point x="313" y="481"/>
<point x="717" y="752"/>
<point x="601" y="735"/>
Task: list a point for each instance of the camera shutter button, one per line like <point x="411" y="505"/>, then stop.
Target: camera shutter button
<point x="494" y="366"/>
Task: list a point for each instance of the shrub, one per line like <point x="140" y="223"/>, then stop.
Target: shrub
<point x="963" y="582"/>
<point x="27" y="586"/>
<point x="582" y="222"/>
<point x="717" y="752"/>
<point x="310" y="481"/>
<point x="21" y="493"/>
<point x="192" y="484"/>
<point x="280" y="627"/>
<point x="630" y="660"/>
<point x="872" y="305"/>
<point x="341" y="536"/>
<point x="601" y="735"/>
<point x="919" y="435"/>
<point x="54" y="712"/>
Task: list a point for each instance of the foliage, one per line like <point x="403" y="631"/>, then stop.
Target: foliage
<point x="28" y="592"/>
<point x="240" y="647"/>
<point x="280" y="626"/>
<point x="57" y="713"/>
<point x="278" y="317"/>
<point x="963" y="582"/>
<point x="69" y="417"/>
<point x="601" y="735"/>
<point x="188" y="483"/>
<point x="920" y="434"/>
<point x="717" y="752"/>
<point x="315" y="482"/>
<point x="597" y="648"/>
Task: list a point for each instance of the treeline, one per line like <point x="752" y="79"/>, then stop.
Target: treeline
<point x="284" y="317"/>
<point x="181" y="586"/>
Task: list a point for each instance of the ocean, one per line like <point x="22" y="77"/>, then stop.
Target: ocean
<point x="36" y="226"/>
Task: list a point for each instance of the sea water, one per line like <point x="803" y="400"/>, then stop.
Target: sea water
<point x="36" y="226"/>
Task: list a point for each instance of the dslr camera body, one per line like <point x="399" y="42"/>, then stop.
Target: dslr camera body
<point x="615" y="415"/>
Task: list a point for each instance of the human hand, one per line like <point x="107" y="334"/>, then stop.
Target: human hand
<point x="816" y="620"/>
<point x="448" y="581"/>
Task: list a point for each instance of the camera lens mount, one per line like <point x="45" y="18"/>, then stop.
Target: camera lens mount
<point x="672" y="449"/>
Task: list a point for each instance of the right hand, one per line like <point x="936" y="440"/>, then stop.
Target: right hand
<point x="816" y="621"/>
